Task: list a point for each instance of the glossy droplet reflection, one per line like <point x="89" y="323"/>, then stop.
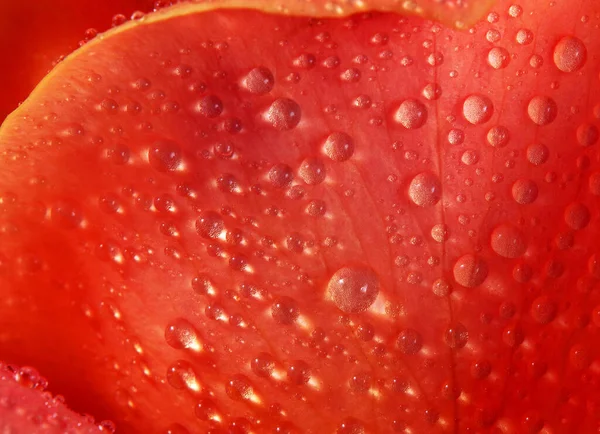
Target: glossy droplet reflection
<point x="470" y="271"/>
<point x="181" y="334"/>
<point x="542" y="110"/>
<point x="425" y="189"/>
<point x="284" y="114"/>
<point x="353" y="289"/>
<point x="507" y="241"/>
<point x="478" y="109"/>
<point x="411" y="114"/>
<point x="570" y="54"/>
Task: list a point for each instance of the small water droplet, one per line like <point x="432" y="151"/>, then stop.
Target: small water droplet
<point x="570" y="54"/>
<point x="263" y="365"/>
<point x="312" y="171"/>
<point x="498" y="136"/>
<point x="281" y="175"/>
<point x="299" y="372"/>
<point x="456" y="336"/>
<point x="577" y="216"/>
<point x="285" y="310"/>
<point x="210" y="225"/>
<point x="543" y="309"/>
<point x="353" y="289"/>
<point x="181" y="375"/>
<point x="498" y="58"/>
<point x="537" y="154"/>
<point x="587" y="134"/>
<point x="239" y="388"/>
<point x="210" y="106"/>
<point x="425" y="189"/>
<point x="524" y="37"/>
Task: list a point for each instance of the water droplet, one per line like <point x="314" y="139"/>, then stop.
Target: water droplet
<point x="498" y="136"/>
<point x="594" y="183"/>
<point x="480" y="369"/>
<point x="439" y="232"/>
<point x="570" y="54"/>
<point x="411" y="114"/>
<point x="207" y="410"/>
<point x="524" y="37"/>
<point x="432" y="91"/>
<point x="542" y="110"/>
<point x="66" y="214"/>
<point x="537" y="154"/>
<point x="353" y="289"/>
<point x="456" y="336"/>
<point x="285" y="310"/>
<point x="425" y="189"/>
<point x="298" y="372"/>
<point x="210" y="225"/>
<point x="239" y="388"/>
<point x="351" y="425"/>
<point x="524" y="191"/>
<point x="469" y="157"/>
<point x="587" y="134"/>
<point x="181" y="334"/>
<point x="543" y="309"/>
<point x="281" y="175"/>
<point x="181" y="375"/>
<point x="164" y="156"/>
<point x="478" y="109"/>
<point x="284" y="114"/>
<point x="507" y="241"/>
<point x="263" y="365"/>
<point x="312" y="171"/>
<point x="210" y="106"/>
<point x="513" y="336"/>
<point x="441" y="287"/>
<point x="316" y="208"/>
<point x="470" y="271"/>
<point x="498" y="58"/>
<point x="577" y="216"/>
<point x="515" y="11"/>
<point x="259" y="80"/>
<point x="339" y="146"/>
<point x="409" y="341"/>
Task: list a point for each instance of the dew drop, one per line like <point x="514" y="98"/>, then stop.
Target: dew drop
<point x="441" y="287"/>
<point x="411" y="114"/>
<point x="164" y="156"/>
<point x="456" y="336"/>
<point x="498" y="136"/>
<point x="524" y="37"/>
<point x="432" y="91"/>
<point x="181" y="334"/>
<point x="577" y="216"/>
<point x="351" y="425"/>
<point x="542" y="110"/>
<point x="66" y="214"/>
<point x="263" y="365"/>
<point x="543" y="309"/>
<point x="259" y="81"/>
<point x="353" y="289"/>
<point x="316" y="208"/>
<point x="181" y="375"/>
<point x="339" y="146"/>
<point x="284" y="114"/>
<point x="210" y="225"/>
<point x="439" y="232"/>
<point x="570" y="54"/>
<point x="507" y="241"/>
<point x="587" y="134"/>
<point x="594" y="183"/>
<point x="425" y="189"/>
<point x="470" y="271"/>
<point x="285" y="310"/>
<point x="206" y="410"/>
<point x="478" y="109"/>
<point x="537" y="154"/>
<point x="312" y="171"/>
<point x="210" y="106"/>
<point x="409" y="341"/>
<point x="298" y="372"/>
<point x="239" y="388"/>
<point x="281" y="175"/>
<point x="498" y="58"/>
<point x="524" y="191"/>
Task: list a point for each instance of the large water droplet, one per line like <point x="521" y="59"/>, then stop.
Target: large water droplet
<point x="470" y="271"/>
<point x="478" y="109"/>
<point x="285" y="310"/>
<point x="284" y="114"/>
<point x="339" y="146"/>
<point x="524" y="191"/>
<point x="164" y="156"/>
<point x="425" y="189"/>
<point x="409" y="341"/>
<point x="353" y="289"/>
<point x="570" y="54"/>
<point x="411" y="114"/>
<point x="542" y="110"/>
<point x="312" y="171"/>
<point x="209" y="225"/>
<point x="281" y="175"/>
<point x="508" y="241"/>
<point x="259" y="80"/>
<point x="181" y="334"/>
